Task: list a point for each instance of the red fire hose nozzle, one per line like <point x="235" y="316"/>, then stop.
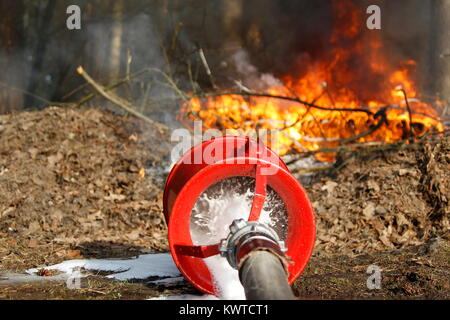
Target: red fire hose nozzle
<point x="227" y="157"/>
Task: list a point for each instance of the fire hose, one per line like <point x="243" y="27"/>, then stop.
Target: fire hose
<point x="267" y="264"/>
<point x="256" y="251"/>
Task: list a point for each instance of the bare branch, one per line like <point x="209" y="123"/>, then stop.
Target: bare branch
<point x="119" y="101"/>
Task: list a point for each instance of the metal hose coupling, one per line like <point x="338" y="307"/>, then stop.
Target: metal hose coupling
<point x="246" y="237"/>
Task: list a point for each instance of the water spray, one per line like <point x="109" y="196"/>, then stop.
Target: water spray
<point x="269" y="242"/>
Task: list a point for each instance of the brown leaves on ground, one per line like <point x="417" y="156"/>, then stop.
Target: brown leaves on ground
<point x="419" y="272"/>
<point x="46" y="272"/>
<point x="71" y="176"/>
<point x="84" y="183"/>
<point x="385" y="201"/>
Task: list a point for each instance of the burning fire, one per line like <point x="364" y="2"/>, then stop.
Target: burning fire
<point x="354" y="85"/>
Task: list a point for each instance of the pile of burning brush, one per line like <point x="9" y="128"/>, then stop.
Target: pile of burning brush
<point x="326" y="103"/>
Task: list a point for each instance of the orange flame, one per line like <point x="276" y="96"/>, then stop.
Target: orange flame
<point x="353" y="74"/>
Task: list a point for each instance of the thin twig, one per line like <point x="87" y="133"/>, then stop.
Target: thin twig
<point x="411" y="130"/>
<point x="367" y="110"/>
<point x="311" y="169"/>
<point x="383" y="119"/>
<point x="205" y="64"/>
<point x="119" y="101"/>
<point x="111" y="87"/>
<point x="27" y="93"/>
<point x="96" y="291"/>
<point x="369" y="146"/>
<point x="267" y="95"/>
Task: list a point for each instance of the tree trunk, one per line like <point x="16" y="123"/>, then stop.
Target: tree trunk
<point x="11" y="61"/>
<point x="39" y="54"/>
<point x="116" y="40"/>
<point x="232" y="15"/>
<point x="442" y="54"/>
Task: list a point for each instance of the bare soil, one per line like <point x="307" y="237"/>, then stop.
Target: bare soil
<point x="87" y="183"/>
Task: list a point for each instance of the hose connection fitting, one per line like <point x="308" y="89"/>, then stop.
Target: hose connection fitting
<point x="248" y="236"/>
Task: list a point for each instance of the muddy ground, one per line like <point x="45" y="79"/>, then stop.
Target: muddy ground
<point x="86" y="183"/>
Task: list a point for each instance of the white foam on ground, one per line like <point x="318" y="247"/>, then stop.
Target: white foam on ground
<point x="167" y="281"/>
<point x="142" y="267"/>
<point x="13" y="278"/>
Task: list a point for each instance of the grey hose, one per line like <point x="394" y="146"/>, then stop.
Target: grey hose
<point x="264" y="278"/>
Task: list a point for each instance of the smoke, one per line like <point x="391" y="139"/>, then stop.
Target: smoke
<point x="42" y="62"/>
<point x="251" y="77"/>
<point x="140" y="45"/>
<point x="252" y="41"/>
<point x="298" y="34"/>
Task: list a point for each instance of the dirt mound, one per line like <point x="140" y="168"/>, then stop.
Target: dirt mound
<point x="74" y="182"/>
<point x="385" y="200"/>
